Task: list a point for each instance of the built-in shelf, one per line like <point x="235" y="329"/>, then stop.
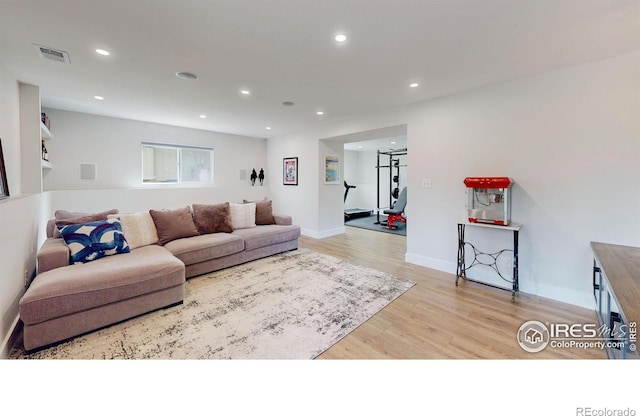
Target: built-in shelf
<point x="46" y="133"/>
<point x="32" y="133"/>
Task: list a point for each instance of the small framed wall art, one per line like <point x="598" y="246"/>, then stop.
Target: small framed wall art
<point x="4" y="185"/>
<point x="290" y="171"/>
<point x="332" y="170"/>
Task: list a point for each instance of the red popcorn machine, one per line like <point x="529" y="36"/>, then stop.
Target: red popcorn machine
<point x="489" y="199"/>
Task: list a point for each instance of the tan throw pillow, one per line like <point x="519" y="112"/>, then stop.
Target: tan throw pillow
<point x="138" y="228"/>
<point x="68" y="218"/>
<point x="173" y="224"/>
<point x="264" y="212"/>
<point x="243" y="215"/>
<point x="212" y="218"/>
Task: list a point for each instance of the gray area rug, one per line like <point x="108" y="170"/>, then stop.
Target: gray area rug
<point x="369" y="224"/>
<point x="290" y="306"/>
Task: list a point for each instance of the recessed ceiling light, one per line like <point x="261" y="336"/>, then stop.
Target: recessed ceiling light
<point x="203" y="116"/>
<point x="187" y="76"/>
<point x="340" y="37"/>
<point x="393" y="142"/>
<point x="268" y="128"/>
<point x="413" y="85"/>
<point x="102" y="52"/>
<point x="97" y="97"/>
<point x="320" y="113"/>
<point x="287" y="103"/>
<point x="245" y="92"/>
<point x="359" y="147"/>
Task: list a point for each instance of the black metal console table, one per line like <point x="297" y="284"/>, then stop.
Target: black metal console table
<point x="462" y="267"/>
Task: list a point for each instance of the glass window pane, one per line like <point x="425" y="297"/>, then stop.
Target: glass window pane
<point x="159" y="164"/>
<point x="196" y="165"/>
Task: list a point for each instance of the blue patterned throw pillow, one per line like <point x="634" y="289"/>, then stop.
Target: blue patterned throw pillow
<point x="94" y="240"/>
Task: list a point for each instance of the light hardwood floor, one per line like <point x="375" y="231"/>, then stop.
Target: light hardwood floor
<point x="435" y="319"/>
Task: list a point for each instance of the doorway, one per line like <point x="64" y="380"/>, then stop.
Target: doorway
<point x="375" y="174"/>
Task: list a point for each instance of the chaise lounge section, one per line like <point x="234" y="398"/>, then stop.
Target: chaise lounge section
<point x="75" y="299"/>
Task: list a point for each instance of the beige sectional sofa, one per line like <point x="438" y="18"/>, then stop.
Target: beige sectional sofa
<point x="65" y="299"/>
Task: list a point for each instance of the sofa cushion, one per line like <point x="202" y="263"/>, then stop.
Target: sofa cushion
<point x="205" y="247"/>
<point x="264" y="212"/>
<point x="138" y="228"/>
<point x="265" y="235"/>
<point x="53" y="253"/>
<point x="283" y="219"/>
<point x="76" y="288"/>
<point x="94" y="240"/>
<point x="212" y="218"/>
<point x="243" y="215"/>
<point x="63" y="218"/>
<point x="173" y="224"/>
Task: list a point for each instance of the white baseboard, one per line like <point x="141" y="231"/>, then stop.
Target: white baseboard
<point x="10" y="339"/>
<point x="553" y="293"/>
<point x="322" y="234"/>
<point x="441" y="265"/>
<point x="585" y="300"/>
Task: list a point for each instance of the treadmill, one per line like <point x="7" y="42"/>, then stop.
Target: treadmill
<point x="350" y="214"/>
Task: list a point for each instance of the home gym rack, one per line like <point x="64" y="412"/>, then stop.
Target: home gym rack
<point x="393" y="179"/>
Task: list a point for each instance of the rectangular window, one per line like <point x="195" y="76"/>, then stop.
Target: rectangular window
<point x="166" y="163"/>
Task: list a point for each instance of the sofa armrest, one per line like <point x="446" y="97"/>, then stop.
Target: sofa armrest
<point x="54" y="253"/>
<point x="283" y="219"/>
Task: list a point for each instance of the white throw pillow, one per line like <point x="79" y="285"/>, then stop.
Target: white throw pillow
<point x="243" y="215"/>
<point x="138" y="228"/>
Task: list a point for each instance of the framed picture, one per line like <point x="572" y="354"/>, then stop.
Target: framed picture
<point x="290" y="171"/>
<point x="4" y="185"/>
<point x="332" y="170"/>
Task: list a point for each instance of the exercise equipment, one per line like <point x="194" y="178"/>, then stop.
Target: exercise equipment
<point x="394" y="180"/>
<point x="350" y="214"/>
<point x="396" y="213"/>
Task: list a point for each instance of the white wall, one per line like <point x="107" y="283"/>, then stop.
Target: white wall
<point x="331" y="215"/>
<point x="10" y="129"/>
<point x="301" y="201"/>
<point x="571" y="140"/>
<point x="22" y="234"/>
<point x="20" y="216"/>
<point x="134" y="200"/>
<point x="115" y="146"/>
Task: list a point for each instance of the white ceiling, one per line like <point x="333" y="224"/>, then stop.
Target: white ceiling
<point x="385" y="144"/>
<point x="283" y="50"/>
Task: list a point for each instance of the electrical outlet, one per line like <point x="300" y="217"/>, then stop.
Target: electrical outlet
<point x="426" y="183"/>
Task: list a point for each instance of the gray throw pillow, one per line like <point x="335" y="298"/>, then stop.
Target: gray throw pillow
<point x="173" y="224"/>
<point x="212" y="218"/>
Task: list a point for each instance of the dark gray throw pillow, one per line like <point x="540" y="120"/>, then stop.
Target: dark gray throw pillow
<point x="214" y="218"/>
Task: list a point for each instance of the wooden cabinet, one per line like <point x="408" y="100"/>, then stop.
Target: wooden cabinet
<point x="616" y="288"/>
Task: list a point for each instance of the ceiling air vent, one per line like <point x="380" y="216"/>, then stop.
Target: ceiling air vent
<point x="53" y="54"/>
